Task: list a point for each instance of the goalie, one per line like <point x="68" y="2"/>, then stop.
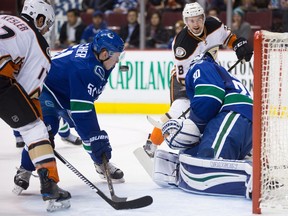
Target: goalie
<point x="217" y="134"/>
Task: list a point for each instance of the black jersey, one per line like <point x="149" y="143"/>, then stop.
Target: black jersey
<point x="186" y="45"/>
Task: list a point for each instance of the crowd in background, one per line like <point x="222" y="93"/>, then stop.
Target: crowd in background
<point x="83" y="23"/>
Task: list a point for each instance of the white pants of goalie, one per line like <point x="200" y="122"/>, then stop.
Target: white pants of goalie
<point x="203" y="176"/>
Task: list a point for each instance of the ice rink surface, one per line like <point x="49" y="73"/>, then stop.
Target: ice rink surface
<point x="126" y="133"/>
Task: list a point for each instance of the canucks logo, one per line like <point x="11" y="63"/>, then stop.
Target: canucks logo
<point x="99" y="71"/>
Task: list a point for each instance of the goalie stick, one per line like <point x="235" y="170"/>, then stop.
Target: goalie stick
<point x="130" y="204"/>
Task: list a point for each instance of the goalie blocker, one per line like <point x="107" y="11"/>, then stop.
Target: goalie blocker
<point x="203" y="176"/>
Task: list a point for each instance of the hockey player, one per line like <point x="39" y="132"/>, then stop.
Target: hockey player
<point x="77" y="77"/>
<point x="199" y="34"/>
<point x="217" y="134"/>
<point x="25" y="61"/>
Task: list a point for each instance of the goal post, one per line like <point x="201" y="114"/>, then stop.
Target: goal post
<point x="270" y="121"/>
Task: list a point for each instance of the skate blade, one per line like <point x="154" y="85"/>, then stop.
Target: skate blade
<point x="17" y="190"/>
<point x="116" y="181"/>
<point x="52" y="205"/>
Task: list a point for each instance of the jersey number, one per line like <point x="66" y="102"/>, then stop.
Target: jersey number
<point x="9" y="32"/>
<point x="240" y="86"/>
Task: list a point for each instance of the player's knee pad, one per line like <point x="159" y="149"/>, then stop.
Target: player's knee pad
<point x="34" y="132"/>
<point x="166" y="168"/>
<point x="16" y="107"/>
<point x="178" y="107"/>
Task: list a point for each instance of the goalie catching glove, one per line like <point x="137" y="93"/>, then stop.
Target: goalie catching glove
<point x="180" y="134"/>
<point x="242" y="49"/>
<point x="100" y="145"/>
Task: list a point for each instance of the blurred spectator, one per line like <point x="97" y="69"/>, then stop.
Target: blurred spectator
<point x="240" y="27"/>
<point x="71" y="30"/>
<point x="222" y="4"/>
<point x="274" y="4"/>
<point x="284" y="5"/>
<point x="90" y="31"/>
<point x="213" y="11"/>
<point x="90" y="6"/>
<point x="174" y="5"/>
<point x="262" y="4"/>
<point x="248" y="5"/>
<point x="156" y="35"/>
<point x="130" y="32"/>
<point x="155" y="5"/>
<point x="122" y="6"/>
<point x="179" y="25"/>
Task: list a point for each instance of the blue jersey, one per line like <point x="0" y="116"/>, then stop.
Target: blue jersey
<point x="76" y="80"/>
<point x="211" y="89"/>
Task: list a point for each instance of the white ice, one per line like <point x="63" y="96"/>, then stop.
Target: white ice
<point x="126" y="132"/>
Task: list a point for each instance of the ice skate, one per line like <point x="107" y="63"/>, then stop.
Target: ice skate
<point x="21" y="180"/>
<point x="115" y="173"/>
<point x="55" y="197"/>
<point x="150" y="148"/>
<point x="72" y="139"/>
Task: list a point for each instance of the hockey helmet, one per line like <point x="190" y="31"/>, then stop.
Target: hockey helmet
<point x="35" y="8"/>
<point x="193" y="10"/>
<point x="109" y="40"/>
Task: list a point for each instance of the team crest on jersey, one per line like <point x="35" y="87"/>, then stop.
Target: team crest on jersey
<point x="99" y="71"/>
<point x="180" y="52"/>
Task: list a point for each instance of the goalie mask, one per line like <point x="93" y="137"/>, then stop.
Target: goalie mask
<point x="180" y="134"/>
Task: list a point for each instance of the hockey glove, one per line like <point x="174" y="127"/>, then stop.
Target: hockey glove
<point x="180" y="134"/>
<point x="242" y="49"/>
<point x="100" y="145"/>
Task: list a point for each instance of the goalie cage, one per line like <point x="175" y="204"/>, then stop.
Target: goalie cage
<point x="270" y="121"/>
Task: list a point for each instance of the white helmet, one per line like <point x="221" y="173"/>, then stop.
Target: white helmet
<point x="192" y="10"/>
<point x="34" y="8"/>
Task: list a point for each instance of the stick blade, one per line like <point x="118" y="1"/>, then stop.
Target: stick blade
<point x="133" y="204"/>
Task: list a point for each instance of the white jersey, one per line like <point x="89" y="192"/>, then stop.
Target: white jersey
<point x="24" y="53"/>
<point x="187" y="46"/>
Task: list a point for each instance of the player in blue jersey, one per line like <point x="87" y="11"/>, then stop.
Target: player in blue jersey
<point x="218" y="131"/>
<point x="77" y="77"/>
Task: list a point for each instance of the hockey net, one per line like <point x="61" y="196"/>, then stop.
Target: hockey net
<point x="270" y="121"/>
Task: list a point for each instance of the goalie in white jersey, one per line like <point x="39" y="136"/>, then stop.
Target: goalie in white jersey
<point x="199" y="34"/>
<point x="24" y="64"/>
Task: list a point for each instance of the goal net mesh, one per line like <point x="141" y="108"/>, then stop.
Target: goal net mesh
<point x="274" y="120"/>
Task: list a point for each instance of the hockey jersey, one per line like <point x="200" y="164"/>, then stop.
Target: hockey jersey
<point x="76" y="80"/>
<point x="212" y="89"/>
<point x="24" y="53"/>
<point x="186" y="45"/>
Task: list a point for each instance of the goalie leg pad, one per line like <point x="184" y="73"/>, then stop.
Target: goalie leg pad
<point x="165" y="168"/>
<point x="215" y="177"/>
<point x="16" y="107"/>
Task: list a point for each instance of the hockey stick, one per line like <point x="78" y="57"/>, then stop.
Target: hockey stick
<point x="109" y="182"/>
<point x="234" y="65"/>
<point x="130" y="204"/>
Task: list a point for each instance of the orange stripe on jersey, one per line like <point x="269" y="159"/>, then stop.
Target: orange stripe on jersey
<point x="231" y="40"/>
<point x="8" y="68"/>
